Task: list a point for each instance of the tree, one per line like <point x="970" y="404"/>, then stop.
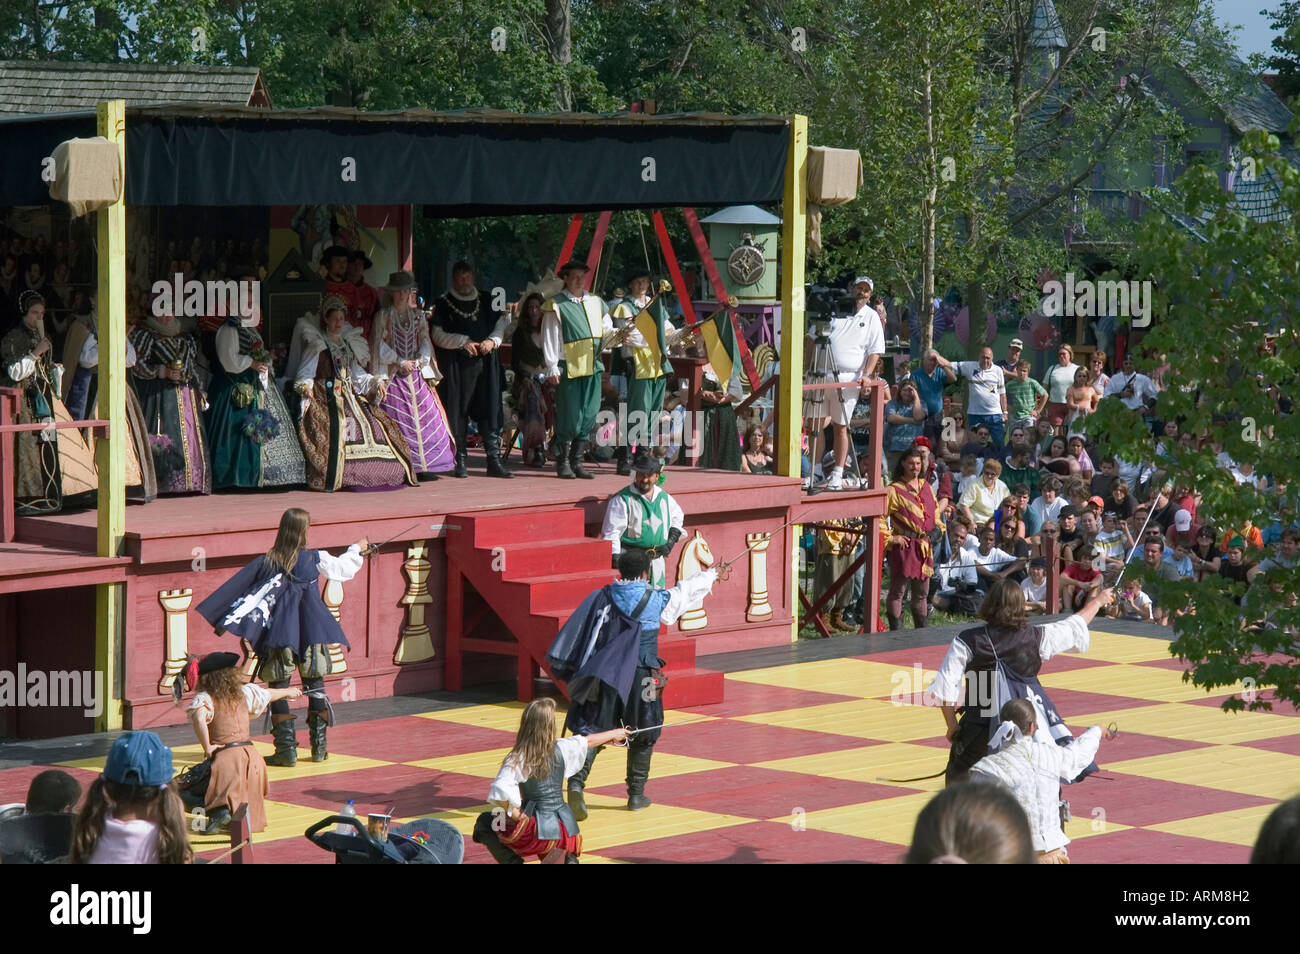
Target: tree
<point x="1220" y="293"/>
<point x="1286" y="21"/>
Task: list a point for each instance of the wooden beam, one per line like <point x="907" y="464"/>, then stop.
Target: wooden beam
<point x="110" y="452"/>
<point x="789" y="402"/>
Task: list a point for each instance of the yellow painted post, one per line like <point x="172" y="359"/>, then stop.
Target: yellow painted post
<point x="110" y="454"/>
<point x="794" y="216"/>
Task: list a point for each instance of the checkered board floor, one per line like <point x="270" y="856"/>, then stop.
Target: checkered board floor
<point x="789" y="767"/>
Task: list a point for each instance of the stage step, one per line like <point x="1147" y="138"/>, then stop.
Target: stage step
<point x="534" y="570"/>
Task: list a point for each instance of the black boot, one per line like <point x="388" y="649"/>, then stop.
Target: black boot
<point x="462" y="464"/>
<point x="218" y="821"/>
<point x="578" y="782"/>
<point x="286" y="743"/>
<point x="317" y="722"/>
<point x="638" y="771"/>
<point x="486" y="836"/>
<point x="895" y="622"/>
<point x="570" y="859"/>
<point x="562" y="467"/>
<point x="624" y="461"/>
<point x="920" y="618"/>
<point x="492" y="445"/>
<point x="576" y="450"/>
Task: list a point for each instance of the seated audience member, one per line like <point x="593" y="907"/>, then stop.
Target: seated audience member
<point x="1133" y="604"/>
<point x="1033" y="770"/>
<point x="982" y="447"/>
<point x="44" y="832"/>
<point x="1235" y="567"/>
<point x="1008" y="540"/>
<point x="1020" y="470"/>
<point x="1079" y="453"/>
<point x="1079" y="580"/>
<point x="1278" y="842"/>
<point x="983" y="496"/>
<point x="1250" y="536"/>
<point x="1181" y="533"/>
<point x="992" y="564"/>
<point x="972" y="824"/>
<point x="1009" y="512"/>
<point x="1049" y="505"/>
<point x="1114" y="539"/>
<point x="1049" y="533"/>
<point x="1071" y="536"/>
<point x="956" y="580"/>
<point x="969" y="473"/>
<point x="1035" y="587"/>
<point x="1284" y="557"/>
<point x="1056" y="459"/>
<point x="1205" y="556"/>
<point x="1033" y="520"/>
<point x="132" y="814"/>
<point x="1161" y="569"/>
<point x="1102" y="483"/>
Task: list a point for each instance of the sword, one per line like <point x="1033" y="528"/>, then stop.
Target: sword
<point x="725" y="567"/>
<point x="633" y="731"/>
<point x="375" y="547"/>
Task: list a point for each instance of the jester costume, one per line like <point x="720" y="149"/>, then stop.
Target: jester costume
<point x="573" y="331"/>
<point x="911" y="511"/>
<point x="254" y="443"/>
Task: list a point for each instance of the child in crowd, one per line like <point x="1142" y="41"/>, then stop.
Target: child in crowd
<point x="133" y="815"/>
<point x="1034" y="771"/>
<point x="970" y="471"/>
<point x="1114" y="541"/>
<point x="43" y="833"/>
<point x="1133" y="603"/>
<point x="1080" y="580"/>
<point x="1035" y="588"/>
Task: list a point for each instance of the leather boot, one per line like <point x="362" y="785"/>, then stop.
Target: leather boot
<point x="895" y="622"/>
<point x="920" y="618"/>
<point x="495" y="468"/>
<point x="218" y="821"/>
<point x="462" y="464"/>
<point x="638" y="771"/>
<point x="840" y="623"/>
<point x="486" y="836"/>
<point x="286" y="741"/>
<point x="577" y="782"/>
<point x="576" y="450"/>
<point x="316" y="725"/>
<point x="562" y="467"/>
<point x="624" y="461"/>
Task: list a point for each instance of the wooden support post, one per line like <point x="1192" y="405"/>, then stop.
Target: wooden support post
<point x="597" y="246"/>
<point x="1051" y="553"/>
<point x="239" y="834"/>
<point x="789" y="403"/>
<point x="453" y="675"/>
<point x="110" y="451"/>
<point x="526" y="672"/>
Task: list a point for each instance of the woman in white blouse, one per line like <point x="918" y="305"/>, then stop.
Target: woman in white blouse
<point x="1058" y="380"/>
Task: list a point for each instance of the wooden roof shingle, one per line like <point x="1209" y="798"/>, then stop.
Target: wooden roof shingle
<point x="37" y="86"/>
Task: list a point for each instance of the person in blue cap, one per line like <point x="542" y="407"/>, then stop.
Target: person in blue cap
<point x="132" y="814"/>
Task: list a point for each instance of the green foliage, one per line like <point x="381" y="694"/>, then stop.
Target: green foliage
<point x="1216" y="300"/>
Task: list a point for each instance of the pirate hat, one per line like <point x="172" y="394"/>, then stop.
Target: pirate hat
<point x="646" y="463"/>
<point x="334" y="251"/>
<point x="572" y="265"/>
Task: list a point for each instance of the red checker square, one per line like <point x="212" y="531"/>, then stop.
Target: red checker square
<point x="757" y="792"/>
<point x="1069" y="701"/>
<point x="726" y="740"/>
<point x="415" y="791"/>
<point x="1138" y="802"/>
<point x="411" y="739"/>
<point x="1173" y="663"/>
<point x="1280" y="707"/>
<point x="1068" y="662"/>
<point x="927" y="656"/>
<point x="14" y="782"/>
<point x="749" y="698"/>
<point x="1135" y="745"/>
<point x="1287" y="744"/>
<point x="1142" y="847"/>
<point x="757" y="843"/>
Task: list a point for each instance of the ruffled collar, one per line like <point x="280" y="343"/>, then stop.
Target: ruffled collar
<point x="352" y="337"/>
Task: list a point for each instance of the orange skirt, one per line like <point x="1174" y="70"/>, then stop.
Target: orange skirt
<point x="239" y="776"/>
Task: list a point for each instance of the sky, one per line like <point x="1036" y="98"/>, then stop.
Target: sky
<point x="1256" y="35"/>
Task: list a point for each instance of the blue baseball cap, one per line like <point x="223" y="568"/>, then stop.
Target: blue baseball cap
<point x="139" y="758"/>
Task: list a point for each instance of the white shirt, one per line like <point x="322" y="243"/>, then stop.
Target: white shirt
<point x="1034" y="594"/>
<point x="617" y="517"/>
<point x="89" y="356"/>
<point x="985" y="386"/>
<point x="853" y="339"/>
<point x="256" y="699"/>
<point x="1134" y="603"/>
<point x="553" y="336"/>
<point x="995" y="560"/>
<point x="342" y="567"/>
<point x="451" y="341"/>
<point x="1058" y="380"/>
<point x="960" y="568"/>
<point x="1048" y="511"/>
<point x="1143" y="389"/>
<point x="1067" y="635"/>
<point x="982" y="500"/>
<point x="505" y="787"/>
<point x="1033" y="770"/>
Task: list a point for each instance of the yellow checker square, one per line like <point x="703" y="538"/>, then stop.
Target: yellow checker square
<point x="610" y="823"/>
<point x="1173" y="720"/>
<point x="1117" y="648"/>
<point x="891" y="820"/>
<point x="845" y="677"/>
<point x="863" y="718"/>
<point x="872" y="763"/>
<point x="192" y="755"/>
<point x="283" y="820"/>
<point x="1238" y="827"/>
<point x="1077" y="828"/>
<point x="1233" y="768"/>
<point x="1135" y="682"/>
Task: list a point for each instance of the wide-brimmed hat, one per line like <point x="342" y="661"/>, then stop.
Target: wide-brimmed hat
<point x="357" y="253"/>
<point x="400" y="281"/>
<point x="646" y="463"/>
<point x="334" y="251"/>
<point x="572" y="265"/>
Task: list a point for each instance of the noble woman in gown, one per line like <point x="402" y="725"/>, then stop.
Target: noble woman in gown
<point x="347" y="442"/>
<point x="166" y="379"/>
<point x="402" y="355"/>
<point x="54" y="468"/>
<point x="254" y="441"/>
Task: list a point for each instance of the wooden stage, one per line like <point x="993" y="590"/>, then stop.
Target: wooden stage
<point x="179" y="549"/>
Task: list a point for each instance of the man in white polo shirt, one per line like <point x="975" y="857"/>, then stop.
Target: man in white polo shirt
<point x="987" y="401"/>
<point x="857" y="345"/>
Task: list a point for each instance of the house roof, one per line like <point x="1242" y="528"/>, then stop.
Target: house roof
<point x="40" y="86"/>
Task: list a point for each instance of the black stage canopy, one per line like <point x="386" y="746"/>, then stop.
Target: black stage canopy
<point x="455" y="164"/>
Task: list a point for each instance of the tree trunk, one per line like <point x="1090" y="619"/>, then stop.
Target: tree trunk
<point x="558" y="45"/>
<point x="926" y="314"/>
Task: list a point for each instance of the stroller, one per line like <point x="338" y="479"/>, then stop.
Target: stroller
<point x="425" y="841"/>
